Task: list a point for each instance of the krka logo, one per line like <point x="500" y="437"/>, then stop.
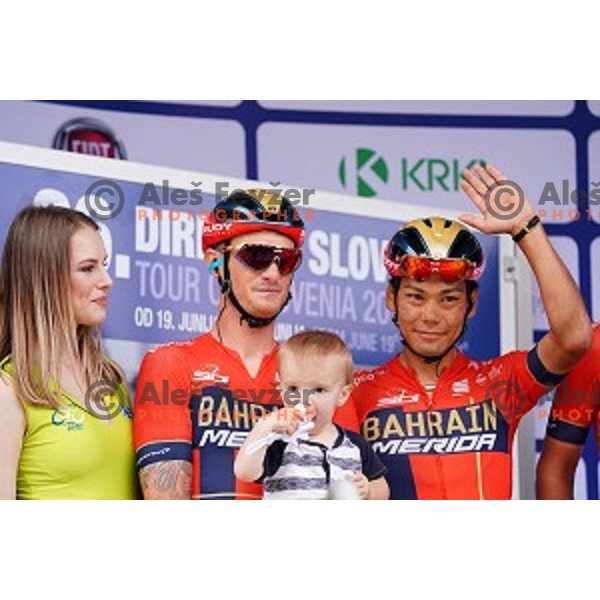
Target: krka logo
<point x="363" y="173"/>
<point x="366" y="173"/>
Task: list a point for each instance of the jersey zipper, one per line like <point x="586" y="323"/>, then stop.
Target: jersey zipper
<point x="430" y="403"/>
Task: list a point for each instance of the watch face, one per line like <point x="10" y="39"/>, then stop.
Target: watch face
<point x="88" y="136"/>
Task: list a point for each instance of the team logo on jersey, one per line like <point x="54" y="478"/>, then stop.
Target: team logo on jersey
<point x="70" y="417"/>
<point x="209" y="374"/>
<point x="220" y="421"/>
<point x="475" y="427"/>
<point x="402" y="397"/>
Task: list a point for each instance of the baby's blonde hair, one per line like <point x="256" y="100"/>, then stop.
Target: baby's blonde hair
<point x="318" y="344"/>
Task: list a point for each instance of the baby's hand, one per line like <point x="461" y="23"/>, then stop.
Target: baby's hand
<point x="362" y="484"/>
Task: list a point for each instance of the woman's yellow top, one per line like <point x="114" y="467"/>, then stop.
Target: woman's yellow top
<point x="73" y="454"/>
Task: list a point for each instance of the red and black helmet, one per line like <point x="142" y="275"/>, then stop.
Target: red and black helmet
<point x="247" y="211"/>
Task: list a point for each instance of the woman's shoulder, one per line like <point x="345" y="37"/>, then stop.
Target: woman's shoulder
<point x="8" y="393"/>
<point x="11" y="410"/>
<point x="7" y="379"/>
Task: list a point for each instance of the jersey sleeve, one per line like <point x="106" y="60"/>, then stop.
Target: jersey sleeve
<point x="520" y="381"/>
<point x="372" y="467"/>
<point x="576" y="403"/>
<point x="162" y="428"/>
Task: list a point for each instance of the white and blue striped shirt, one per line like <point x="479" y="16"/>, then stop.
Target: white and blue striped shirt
<point x="304" y="469"/>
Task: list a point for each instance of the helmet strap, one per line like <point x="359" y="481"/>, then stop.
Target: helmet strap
<point x="227" y="291"/>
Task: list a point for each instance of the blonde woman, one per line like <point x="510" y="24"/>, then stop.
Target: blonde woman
<point x="58" y="438"/>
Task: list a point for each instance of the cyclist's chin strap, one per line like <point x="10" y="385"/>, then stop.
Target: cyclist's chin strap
<point x="439" y="357"/>
<point x="227" y="290"/>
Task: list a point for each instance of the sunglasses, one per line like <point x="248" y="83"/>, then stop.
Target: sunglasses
<point x="450" y="270"/>
<point x="259" y="257"/>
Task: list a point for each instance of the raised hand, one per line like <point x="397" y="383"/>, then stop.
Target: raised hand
<point x="503" y="205"/>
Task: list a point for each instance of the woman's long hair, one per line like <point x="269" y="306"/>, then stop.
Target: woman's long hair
<point x="37" y="320"/>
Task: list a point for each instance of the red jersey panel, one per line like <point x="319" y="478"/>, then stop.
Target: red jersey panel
<point x="196" y="401"/>
<point x="457" y="443"/>
<point x="576" y="402"/>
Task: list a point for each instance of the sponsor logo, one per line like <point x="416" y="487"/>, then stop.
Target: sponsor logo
<point x="472" y="428"/>
<point x="460" y="387"/>
<point x="455" y="445"/>
<point x="362" y="376"/>
<point x="487" y="371"/>
<point x="402" y="397"/>
<point x="152" y="454"/>
<point x="209" y="374"/>
<point x="365" y="172"/>
<point x="89" y="136"/>
<point x="70" y="417"/>
<point x="481" y="379"/>
<point x="217" y="227"/>
<point x="220" y="420"/>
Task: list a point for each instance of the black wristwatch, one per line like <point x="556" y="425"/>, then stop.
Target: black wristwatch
<point x="530" y="225"/>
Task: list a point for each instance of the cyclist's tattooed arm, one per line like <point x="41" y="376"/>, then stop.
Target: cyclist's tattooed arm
<point x="167" y="480"/>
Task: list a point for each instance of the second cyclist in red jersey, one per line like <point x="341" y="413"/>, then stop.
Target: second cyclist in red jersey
<point x="443" y="424"/>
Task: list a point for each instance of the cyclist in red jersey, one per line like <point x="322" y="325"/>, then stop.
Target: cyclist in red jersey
<point x="443" y="424"/>
<point x="196" y="400"/>
<point x="574" y="410"/>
